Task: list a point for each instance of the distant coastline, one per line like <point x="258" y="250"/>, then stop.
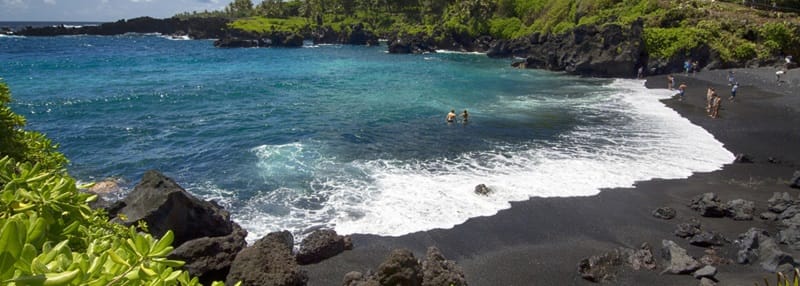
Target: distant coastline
<point x="19" y="25"/>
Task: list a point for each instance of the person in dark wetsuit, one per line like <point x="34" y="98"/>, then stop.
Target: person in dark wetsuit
<point x="465" y="115"/>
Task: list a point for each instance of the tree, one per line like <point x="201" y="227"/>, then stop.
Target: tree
<point x="271" y="9"/>
<point x="239" y="8"/>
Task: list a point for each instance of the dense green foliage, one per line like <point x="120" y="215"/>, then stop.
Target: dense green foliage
<point x="50" y="235"/>
<point x="672" y="27"/>
<point x="21" y="145"/>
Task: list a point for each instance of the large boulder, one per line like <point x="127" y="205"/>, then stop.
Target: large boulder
<point x="604" y="267"/>
<point x="757" y="245"/>
<point x="740" y="209"/>
<point x="164" y="205"/>
<point x="400" y="268"/>
<point x="210" y="258"/>
<point x="320" y="245"/>
<point x="678" y="261"/>
<point x="708" y="205"/>
<point x="269" y="261"/>
<point x="779" y="202"/>
<point x="437" y="270"/>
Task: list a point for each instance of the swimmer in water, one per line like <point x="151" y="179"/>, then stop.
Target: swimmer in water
<point x="451" y="117"/>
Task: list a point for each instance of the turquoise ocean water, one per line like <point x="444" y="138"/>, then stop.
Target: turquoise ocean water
<point x="347" y="137"/>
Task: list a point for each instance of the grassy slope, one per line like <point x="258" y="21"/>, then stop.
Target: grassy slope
<point x="737" y="33"/>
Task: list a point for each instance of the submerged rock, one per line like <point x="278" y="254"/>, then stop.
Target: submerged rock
<point x="483" y="190"/>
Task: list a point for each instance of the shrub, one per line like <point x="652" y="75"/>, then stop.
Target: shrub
<point x="21" y="145"/>
<point x="505" y="28"/>
<point x="49" y="234"/>
<point x="667" y="42"/>
<point x="778" y="36"/>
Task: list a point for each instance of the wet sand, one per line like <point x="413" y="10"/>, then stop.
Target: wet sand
<point x="540" y="241"/>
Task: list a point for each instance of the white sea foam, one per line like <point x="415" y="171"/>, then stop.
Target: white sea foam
<point x="388" y="197"/>
<point x="458" y="52"/>
<point x="176" y="37"/>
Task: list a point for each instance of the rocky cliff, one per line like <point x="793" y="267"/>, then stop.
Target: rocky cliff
<point x="196" y="28"/>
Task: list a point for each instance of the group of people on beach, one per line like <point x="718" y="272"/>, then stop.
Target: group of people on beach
<point x="713" y="100"/>
<point x="451" y="117"/>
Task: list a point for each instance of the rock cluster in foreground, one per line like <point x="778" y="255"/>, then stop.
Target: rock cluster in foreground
<point x="214" y="247"/>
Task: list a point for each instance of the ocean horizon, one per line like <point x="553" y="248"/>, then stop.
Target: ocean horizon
<point x="344" y="137"/>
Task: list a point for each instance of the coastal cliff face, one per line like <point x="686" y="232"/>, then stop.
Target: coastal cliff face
<point x="196" y="28"/>
<point x="608" y="51"/>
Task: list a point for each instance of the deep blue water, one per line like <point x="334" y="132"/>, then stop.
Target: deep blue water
<point x="330" y="135"/>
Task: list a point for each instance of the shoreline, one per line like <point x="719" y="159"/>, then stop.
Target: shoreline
<point x="541" y="240"/>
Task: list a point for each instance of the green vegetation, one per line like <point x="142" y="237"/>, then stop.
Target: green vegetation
<point x="783" y="280"/>
<point x="672" y="27"/>
<point x="21" y="145"/>
<point x="48" y="233"/>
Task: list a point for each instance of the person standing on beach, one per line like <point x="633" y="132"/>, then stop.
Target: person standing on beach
<point x="695" y="67"/>
<point x="451" y="117"/>
<point x="710" y="92"/>
<point x="670" y="82"/>
<point x="640" y="73"/>
<point x="682" y="91"/>
<point x="733" y="91"/>
<point x="730" y="78"/>
<point x="687" y="65"/>
<point x="716" y="102"/>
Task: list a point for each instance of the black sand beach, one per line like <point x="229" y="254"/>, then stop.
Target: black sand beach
<point x="542" y="240"/>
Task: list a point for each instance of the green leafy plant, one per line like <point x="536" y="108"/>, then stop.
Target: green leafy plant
<point x="22" y="145"/>
<point x="49" y="234"/>
<point x="783" y="280"/>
